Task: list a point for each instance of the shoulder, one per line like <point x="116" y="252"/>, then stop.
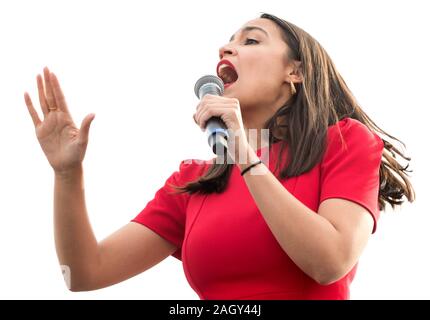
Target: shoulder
<point x="350" y="132"/>
<point x="350" y="141"/>
<point x="190" y="169"/>
<point x="187" y="171"/>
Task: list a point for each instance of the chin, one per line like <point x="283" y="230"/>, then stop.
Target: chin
<point x="229" y="93"/>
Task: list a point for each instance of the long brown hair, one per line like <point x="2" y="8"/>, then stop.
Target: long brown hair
<point x="322" y="99"/>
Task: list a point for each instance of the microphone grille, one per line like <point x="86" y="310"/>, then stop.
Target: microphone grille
<point x="209" y="79"/>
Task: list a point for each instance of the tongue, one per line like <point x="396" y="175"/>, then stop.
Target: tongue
<point x="230" y="75"/>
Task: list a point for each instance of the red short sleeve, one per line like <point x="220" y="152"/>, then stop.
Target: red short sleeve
<point x="165" y="214"/>
<point x="350" y="166"/>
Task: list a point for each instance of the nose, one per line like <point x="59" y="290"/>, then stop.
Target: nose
<point x="227" y="49"/>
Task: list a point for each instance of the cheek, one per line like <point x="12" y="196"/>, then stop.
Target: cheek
<point x="263" y="76"/>
<point x="255" y="92"/>
<point x="259" y="83"/>
<point x="262" y="82"/>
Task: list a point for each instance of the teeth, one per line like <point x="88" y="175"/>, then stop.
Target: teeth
<point x="223" y="67"/>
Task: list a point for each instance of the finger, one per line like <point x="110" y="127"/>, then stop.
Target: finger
<point x="31" y="110"/>
<point x="85" y="128"/>
<point x="213" y="112"/>
<point x="215" y="97"/>
<point x="209" y="98"/>
<point x="213" y="102"/>
<point x="48" y="90"/>
<point x="210" y="105"/>
<point x="42" y="98"/>
<point x="202" y="106"/>
<point x="60" y="100"/>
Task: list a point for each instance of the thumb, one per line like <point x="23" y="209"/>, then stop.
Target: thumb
<point x="85" y="128"/>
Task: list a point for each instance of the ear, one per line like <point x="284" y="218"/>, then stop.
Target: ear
<point x="294" y="72"/>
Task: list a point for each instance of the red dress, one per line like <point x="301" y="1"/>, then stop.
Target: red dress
<point x="226" y="247"/>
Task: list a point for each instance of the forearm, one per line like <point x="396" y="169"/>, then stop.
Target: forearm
<point x="309" y="239"/>
<point x="75" y="242"/>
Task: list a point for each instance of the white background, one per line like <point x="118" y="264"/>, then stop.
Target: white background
<point x="134" y="64"/>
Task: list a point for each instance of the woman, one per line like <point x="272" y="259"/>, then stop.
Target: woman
<point x="294" y="230"/>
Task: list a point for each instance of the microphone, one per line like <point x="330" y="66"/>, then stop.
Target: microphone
<point x="215" y="128"/>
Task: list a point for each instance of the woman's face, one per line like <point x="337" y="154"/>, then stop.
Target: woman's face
<point x="259" y="55"/>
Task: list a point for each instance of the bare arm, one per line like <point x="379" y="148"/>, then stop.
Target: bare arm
<point x="127" y="252"/>
<point x="325" y="245"/>
<point x="131" y="250"/>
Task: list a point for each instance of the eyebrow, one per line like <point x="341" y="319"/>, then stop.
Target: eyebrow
<point x="250" y="28"/>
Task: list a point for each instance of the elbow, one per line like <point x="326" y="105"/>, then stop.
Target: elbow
<point x="78" y="288"/>
<point x="83" y="285"/>
<point x="326" y="280"/>
<point x="331" y="274"/>
<point x="75" y="289"/>
<point x="81" y="281"/>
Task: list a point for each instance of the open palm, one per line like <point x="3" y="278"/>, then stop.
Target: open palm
<point x="62" y="142"/>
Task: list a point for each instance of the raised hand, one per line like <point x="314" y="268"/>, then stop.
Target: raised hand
<point x="62" y="142"/>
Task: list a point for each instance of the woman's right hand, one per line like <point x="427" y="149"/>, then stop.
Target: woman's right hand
<point x="62" y="142"/>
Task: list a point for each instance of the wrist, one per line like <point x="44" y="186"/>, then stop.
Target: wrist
<point x="249" y="168"/>
<point x="69" y="173"/>
<point x="247" y="158"/>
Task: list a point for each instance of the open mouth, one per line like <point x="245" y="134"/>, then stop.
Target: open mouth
<point x="227" y="73"/>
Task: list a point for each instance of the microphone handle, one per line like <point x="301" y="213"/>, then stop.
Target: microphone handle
<point x="217" y="135"/>
<point x="215" y="129"/>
